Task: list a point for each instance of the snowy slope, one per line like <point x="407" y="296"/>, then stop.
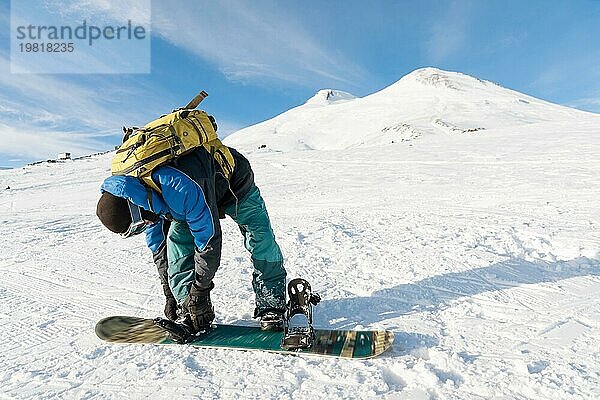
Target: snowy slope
<point x="480" y="251"/>
<point x="427" y="101"/>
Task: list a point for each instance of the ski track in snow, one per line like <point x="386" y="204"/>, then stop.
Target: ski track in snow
<point x="481" y="253"/>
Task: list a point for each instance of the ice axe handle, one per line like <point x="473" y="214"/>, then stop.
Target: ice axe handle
<point x="196" y="100"/>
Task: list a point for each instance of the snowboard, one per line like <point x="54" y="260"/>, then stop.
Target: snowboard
<point x="333" y="343"/>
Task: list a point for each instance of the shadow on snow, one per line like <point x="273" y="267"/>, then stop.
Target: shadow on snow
<point x="437" y="292"/>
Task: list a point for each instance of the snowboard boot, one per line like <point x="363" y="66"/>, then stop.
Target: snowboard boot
<point x="271" y="321"/>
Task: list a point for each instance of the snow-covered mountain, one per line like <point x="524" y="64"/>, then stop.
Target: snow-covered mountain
<point x="427" y="101"/>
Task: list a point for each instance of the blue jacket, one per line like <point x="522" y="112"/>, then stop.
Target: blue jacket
<point x="182" y="199"/>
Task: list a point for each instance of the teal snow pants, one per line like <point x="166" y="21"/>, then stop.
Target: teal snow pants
<point x="268" y="277"/>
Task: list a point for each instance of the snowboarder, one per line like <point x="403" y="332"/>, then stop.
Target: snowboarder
<point x="184" y="234"/>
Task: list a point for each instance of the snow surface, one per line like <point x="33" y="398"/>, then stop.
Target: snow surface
<point x="480" y="250"/>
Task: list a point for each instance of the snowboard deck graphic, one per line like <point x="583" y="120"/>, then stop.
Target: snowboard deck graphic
<point x="333" y="343"/>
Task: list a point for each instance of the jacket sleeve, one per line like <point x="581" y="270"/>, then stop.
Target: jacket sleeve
<point x="156" y="235"/>
<point x="186" y="198"/>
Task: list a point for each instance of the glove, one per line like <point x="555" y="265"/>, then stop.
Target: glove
<point x="198" y="308"/>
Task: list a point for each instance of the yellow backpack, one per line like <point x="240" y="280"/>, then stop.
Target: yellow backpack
<point x="168" y="137"/>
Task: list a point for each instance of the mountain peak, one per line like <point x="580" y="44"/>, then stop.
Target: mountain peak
<point x="330" y="96"/>
<point x="436" y="77"/>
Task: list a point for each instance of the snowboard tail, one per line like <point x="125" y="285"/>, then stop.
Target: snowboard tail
<point x="334" y="343"/>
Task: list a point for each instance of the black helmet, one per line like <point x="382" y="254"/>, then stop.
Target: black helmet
<point x="113" y="212"/>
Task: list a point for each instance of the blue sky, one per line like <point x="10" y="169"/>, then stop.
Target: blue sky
<point x="257" y="59"/>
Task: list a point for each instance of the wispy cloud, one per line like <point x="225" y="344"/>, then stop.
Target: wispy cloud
<point x="253" y="42"/>
<point x="257" y="42"/>
<point x="137" y="11"/>
<point x="226" y="128"/>
<point x="64" y="102"/>
<point x="550" y="77"/>
<point x="448" y="34"/>
<point x="591" y="104"/>
<point x="54" y="95"/>
<point x="36" y="143"/>
<point x="561" y="76"/>
<point x="41" y="113"/>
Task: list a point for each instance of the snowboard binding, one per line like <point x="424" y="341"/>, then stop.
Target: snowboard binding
<point x="301" y="300"/>
<point x="179" y="333"/>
